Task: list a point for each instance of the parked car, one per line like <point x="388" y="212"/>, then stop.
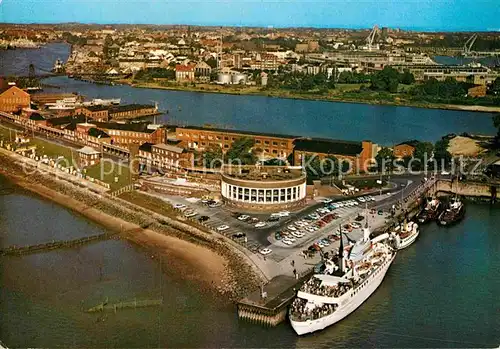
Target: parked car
<point x="265" y="251"/>
<point x="180" y="206"/>
<point x="239" y="235"/>
<point x="214" y="204"/>
<point x="291" y="227"/>
<point x="273" y="219"/>
<point x="223" y="227"/>
<point x="287" y="241"/>
<point x="260" y="225"/>
<point x="203" y="218"/>
<point x="284" y="213"/>
<point x="190" y="214"/>
<point x="243" y="217"/>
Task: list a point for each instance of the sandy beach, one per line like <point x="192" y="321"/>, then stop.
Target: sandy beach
<point x="198" y="262"/>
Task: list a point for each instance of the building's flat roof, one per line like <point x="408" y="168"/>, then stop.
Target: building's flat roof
<point x="250" y="133"/>
<point x="128" y="107"/>
<point x="169" y="147"/>
<point x="328" y="146"/>
<point x="135" y="127"/>
<point x="262" y="173"/>
<point x="88" y="151"/>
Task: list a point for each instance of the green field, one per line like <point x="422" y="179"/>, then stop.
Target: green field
<point x="108" y="172"/>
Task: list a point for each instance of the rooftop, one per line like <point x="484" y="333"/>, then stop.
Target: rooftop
<point x="250" y="133"/>
<point x="328" y="146"/>
<point x="128" y="107"/>
<point x="169" y="147"/>
<point x="262" y="173"/>
<point x="135" y="127"/>
<point x="88" y="151"/>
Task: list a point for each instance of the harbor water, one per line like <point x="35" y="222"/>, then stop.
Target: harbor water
<point x="440" y="292"/>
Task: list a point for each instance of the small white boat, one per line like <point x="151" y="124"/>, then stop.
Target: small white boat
<point x="405" y="235"/>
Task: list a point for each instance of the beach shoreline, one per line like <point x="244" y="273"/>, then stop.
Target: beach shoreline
<point x="199" y="261"/>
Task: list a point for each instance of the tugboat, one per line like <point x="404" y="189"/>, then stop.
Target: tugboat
<point x="453" y="213"/>
<point x="430" y="212"/>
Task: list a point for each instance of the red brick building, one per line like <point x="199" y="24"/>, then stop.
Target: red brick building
<point x="13" y="99"/>
<point x="404" y="149"/>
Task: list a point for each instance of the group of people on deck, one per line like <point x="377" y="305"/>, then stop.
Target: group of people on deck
<point x="314" y="286"/>
<point x="300" y="311"/>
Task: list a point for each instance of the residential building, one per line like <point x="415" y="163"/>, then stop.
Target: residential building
<point x="13" y="99"/>
<point x="88" y="156"/>
<point x="184" y="72"/>
<point x="170" y="156"/>
<point x="404" y="149"/>
<point x="200" y="138"/>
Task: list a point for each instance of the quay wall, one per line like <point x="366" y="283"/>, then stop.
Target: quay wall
<point x="467" y="188"/>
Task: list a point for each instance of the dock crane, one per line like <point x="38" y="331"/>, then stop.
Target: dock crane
<point x="371" y="38"/>
<point x="468" y="45"/>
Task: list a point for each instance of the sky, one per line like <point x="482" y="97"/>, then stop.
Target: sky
<point x="427" y="15"/>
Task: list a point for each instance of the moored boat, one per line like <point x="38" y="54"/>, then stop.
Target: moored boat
<point x="404" y="235"/>
<point x="328" y="298"/>
<point x="453" y="213"/>
<point x="430" y="212"/>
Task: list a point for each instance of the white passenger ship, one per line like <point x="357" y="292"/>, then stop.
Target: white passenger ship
<point x="328" y="298"/>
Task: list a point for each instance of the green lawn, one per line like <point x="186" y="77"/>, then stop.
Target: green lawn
<point x="107" y="171"/>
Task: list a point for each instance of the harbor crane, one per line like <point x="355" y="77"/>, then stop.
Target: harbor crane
<point x="371" y="38"/>
<point x="468" y="45"/>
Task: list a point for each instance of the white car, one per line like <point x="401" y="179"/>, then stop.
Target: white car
<point x="298" y="234"/>
<point x="356" y="225"/>
<point x="265" y="251"/>
<point x="292" y="239"/>
<point x="223" y="227"/>
<point x="292" y="228"/>
<point x="190" y="214"/>
<point x="327" y="201"/>
<point x="260" y="225"/>
<point x="243" y="217"/>
<point x="310" y="229"/>
<point x="361" y="199"/>
<point x="284" y="213"/>
<point x="287" y="241"/>
<point x="180" y="206"/>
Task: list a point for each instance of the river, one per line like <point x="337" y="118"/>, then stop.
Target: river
<point x="440" y="292"/>
<point x="350" y="121"/>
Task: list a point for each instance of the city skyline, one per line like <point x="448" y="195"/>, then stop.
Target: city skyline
<point x="455" y="15"/>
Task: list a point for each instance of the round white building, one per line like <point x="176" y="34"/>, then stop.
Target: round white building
<point x="263" y="188"/>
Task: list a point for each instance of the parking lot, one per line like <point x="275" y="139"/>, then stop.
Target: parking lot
<point x="321" y="219"/>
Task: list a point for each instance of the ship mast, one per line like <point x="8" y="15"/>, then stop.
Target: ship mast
<point x="341" y="251"/>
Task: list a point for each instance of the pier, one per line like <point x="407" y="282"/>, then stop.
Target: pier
<point x="125" y="305"/>
<point x="269" y="305"/>
<point x="25" y="250"/>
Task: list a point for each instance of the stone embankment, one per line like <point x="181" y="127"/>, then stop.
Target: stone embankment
<point x="238" y="278"/>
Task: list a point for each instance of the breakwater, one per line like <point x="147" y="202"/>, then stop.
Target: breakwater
<point x="53" y="245"/>
<point x="125" y="305"/>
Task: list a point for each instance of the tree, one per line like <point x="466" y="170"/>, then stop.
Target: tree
<point x="212" y="62"/>
<point x="385" y="159"/>
<point x="313" y="167"/>
<point x="385" y="80"/>
<point x="212" y="156"/>
<point x="441" y="153"/>
<point x="407" y="78"/>
<point x="423" y="152"/>
<point x="495" y="87"/>
<point x="241" y="151"/>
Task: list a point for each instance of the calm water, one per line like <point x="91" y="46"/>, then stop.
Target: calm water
<point x="381" y="124"/>
<point x="440" y="292"/>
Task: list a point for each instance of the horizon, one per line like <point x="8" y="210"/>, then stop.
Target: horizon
<point x="433" y="16"/>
